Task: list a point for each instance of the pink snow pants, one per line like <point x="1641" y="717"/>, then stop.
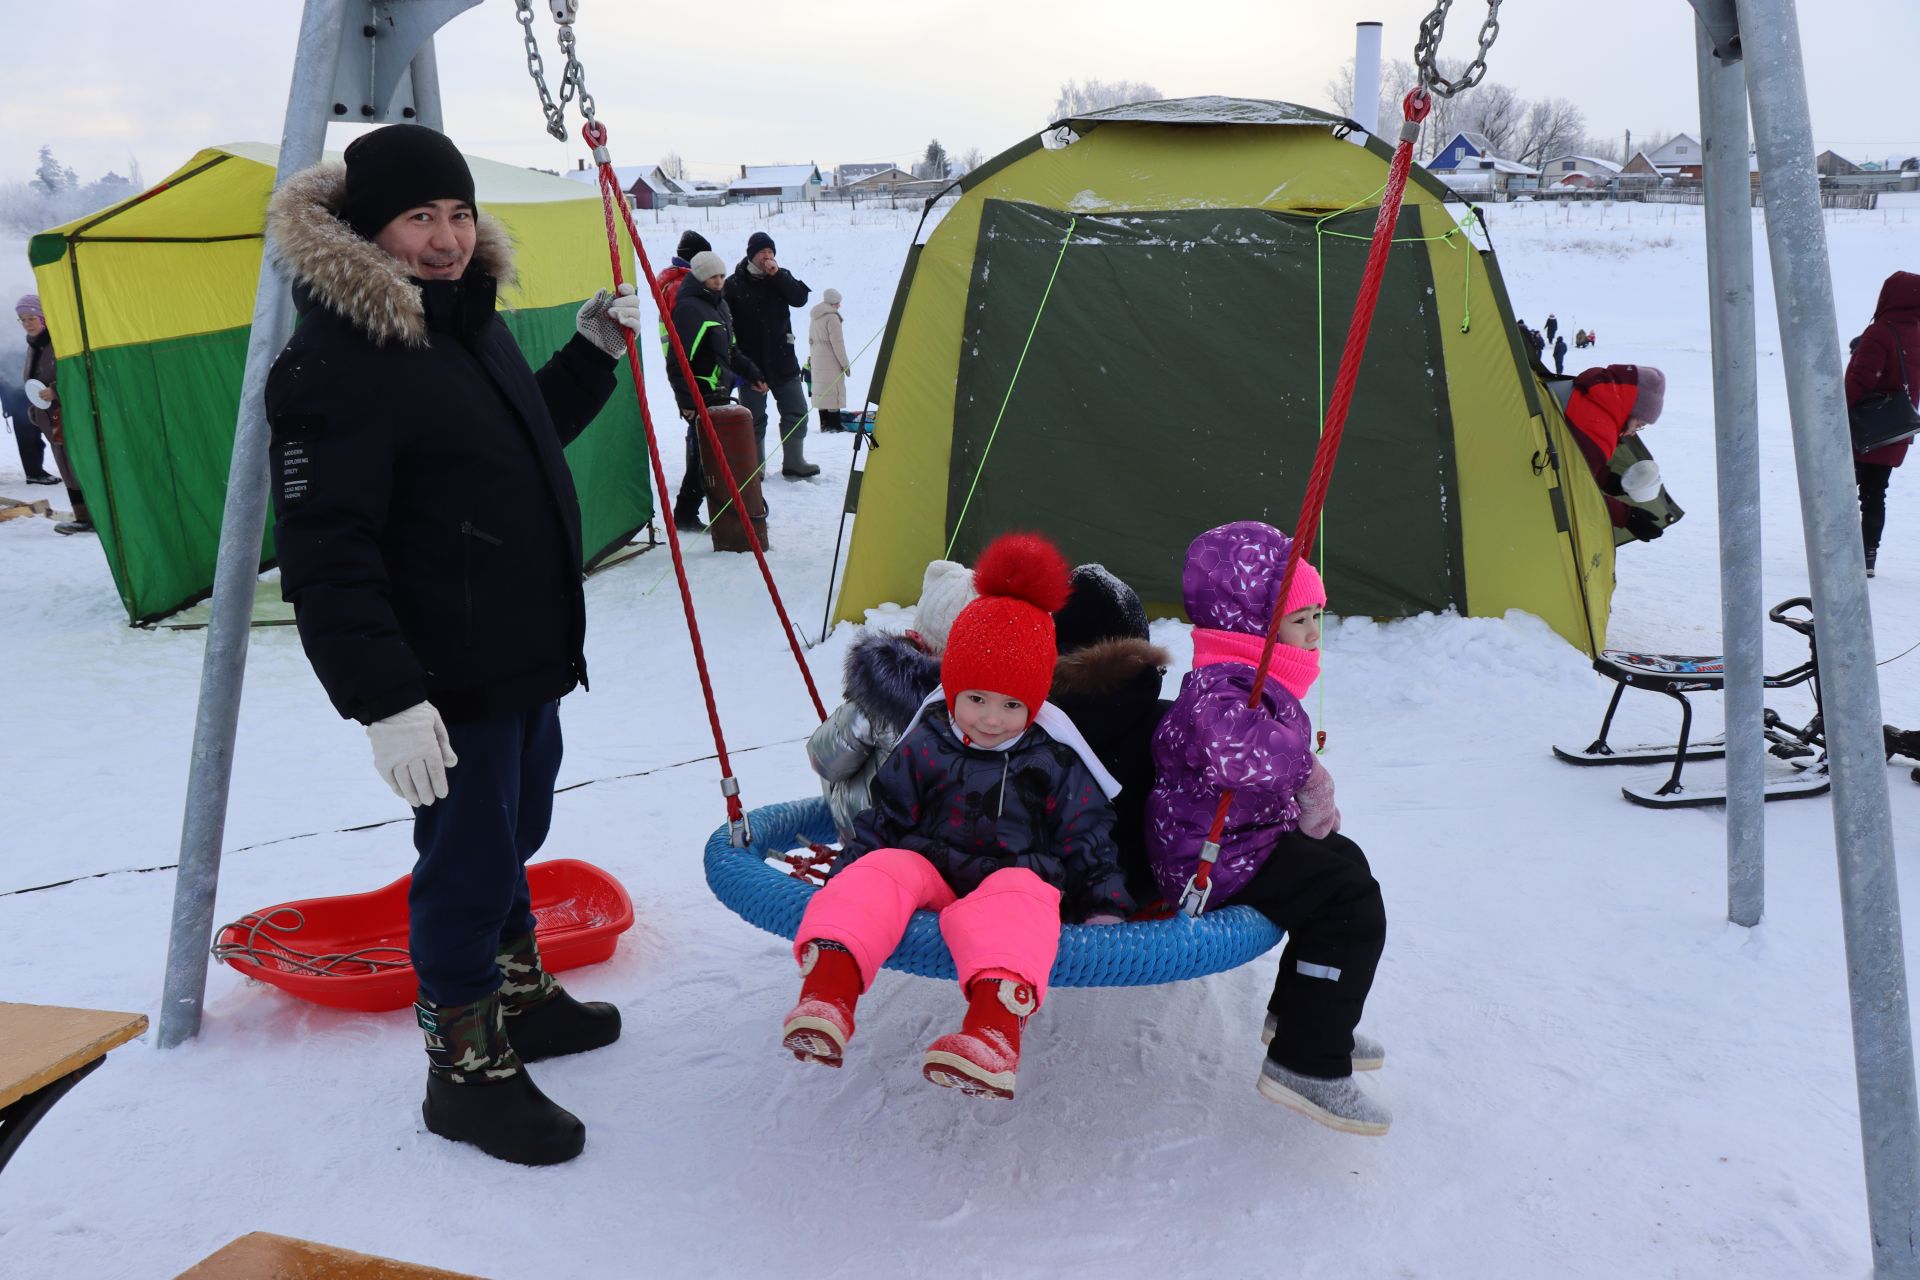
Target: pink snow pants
<point x="1010" y="925"/>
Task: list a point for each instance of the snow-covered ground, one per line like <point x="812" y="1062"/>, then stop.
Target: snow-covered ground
<point x="1591" y="1072"/>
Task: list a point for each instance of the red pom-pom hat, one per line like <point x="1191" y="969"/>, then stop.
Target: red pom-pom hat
<point x="1003" y="642"/>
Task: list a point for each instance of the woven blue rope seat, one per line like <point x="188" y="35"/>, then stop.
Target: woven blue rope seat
<point x="1136" y="954"/>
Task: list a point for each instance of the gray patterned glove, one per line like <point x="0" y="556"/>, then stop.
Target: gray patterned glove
<point x="605" y="316"/>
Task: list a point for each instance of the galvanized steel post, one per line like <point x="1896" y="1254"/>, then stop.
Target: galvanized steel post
<point x="1736" y="413"/>
<point x="1849" y="686"/>
<point x="242" y="526"/>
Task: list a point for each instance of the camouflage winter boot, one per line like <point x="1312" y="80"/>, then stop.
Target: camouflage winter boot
<point x="983" y="1057"/>
<point x="478" y="1091"/>
<point x="543" y="1021"/>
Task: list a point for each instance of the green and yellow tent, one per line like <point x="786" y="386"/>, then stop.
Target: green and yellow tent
<point x="1129" y="338"/>
<point x="150" y="304"/>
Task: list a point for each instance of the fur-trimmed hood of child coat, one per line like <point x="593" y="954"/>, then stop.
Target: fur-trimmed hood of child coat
<point x="972" y="811"/>
<point x="1111" y="690"/>
<point x="887" y="678"/>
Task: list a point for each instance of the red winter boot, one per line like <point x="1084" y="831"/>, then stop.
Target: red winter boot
<point x="821" y="1024"/>
<point x="982" y="1057"/>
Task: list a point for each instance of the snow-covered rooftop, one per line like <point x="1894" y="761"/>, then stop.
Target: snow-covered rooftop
<point x="773" y="175"/>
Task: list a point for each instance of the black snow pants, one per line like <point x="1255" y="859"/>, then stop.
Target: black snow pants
<point x="1323" y="894"/>
<point x="1872" y="478"/>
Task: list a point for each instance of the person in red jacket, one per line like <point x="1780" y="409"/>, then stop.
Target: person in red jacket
<point x="1876" y="366"/>
<point x="1607" y="404"/>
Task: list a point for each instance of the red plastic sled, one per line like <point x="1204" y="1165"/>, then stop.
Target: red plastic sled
<point x="579" y="911"/>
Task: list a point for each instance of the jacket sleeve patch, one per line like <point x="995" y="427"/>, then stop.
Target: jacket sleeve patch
<point x="294" y="455"/>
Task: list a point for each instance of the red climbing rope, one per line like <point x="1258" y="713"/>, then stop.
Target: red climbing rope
<point x="1416" y="106"/>
<point x="611" y="197"/>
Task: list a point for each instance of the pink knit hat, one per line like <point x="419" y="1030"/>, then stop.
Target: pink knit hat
<point x="1306" y="589"/>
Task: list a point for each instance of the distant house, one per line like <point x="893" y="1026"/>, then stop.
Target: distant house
<point x="881" y="179"/>
<point x="849" y="174"/>
<point x="766" y="182"/>
<point x="1464" y="147"/>
<point x="1680" y="156"/>
<point x="646" y="186"/>
<point x="1488" y="175"/>
<point x="1833" y="165"/>
<point x="1578" y="171"/>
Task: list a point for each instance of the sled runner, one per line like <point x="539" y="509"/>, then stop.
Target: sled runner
<point x="1676" y="676"/>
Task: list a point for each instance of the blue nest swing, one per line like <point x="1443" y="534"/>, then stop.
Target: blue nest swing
<point x="1136" y="954"/>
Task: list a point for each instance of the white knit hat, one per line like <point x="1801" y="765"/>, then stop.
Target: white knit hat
<point x="831" y="297"/>
<point x="944" y="592"/>
<point x="705" y="266"/>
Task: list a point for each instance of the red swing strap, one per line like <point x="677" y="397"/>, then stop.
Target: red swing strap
<point x="1416" y="106"/>
<point x="611" y="198"/>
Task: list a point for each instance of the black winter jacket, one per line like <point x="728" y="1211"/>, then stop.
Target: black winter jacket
<point x="762" y="311"/>
<point x="1111" y="692"/>
<point x="972" y="812"/>
<point x="428" y="530"/>
<point x="705" y="325"/>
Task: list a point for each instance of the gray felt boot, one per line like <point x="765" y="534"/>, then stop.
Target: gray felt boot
<point x="1337" y="1103"/>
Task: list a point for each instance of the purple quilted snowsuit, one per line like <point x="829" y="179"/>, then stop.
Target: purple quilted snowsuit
<point x="1210" y="740"/>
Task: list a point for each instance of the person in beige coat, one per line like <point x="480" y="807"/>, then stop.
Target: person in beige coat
<point x="827" y="355"/>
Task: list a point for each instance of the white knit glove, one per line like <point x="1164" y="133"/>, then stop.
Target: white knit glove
<point x="604" y="315"/>
<point x="412" y="752"/>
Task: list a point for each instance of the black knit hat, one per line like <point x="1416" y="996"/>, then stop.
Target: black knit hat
<point x="757" y="241"/>
<point x="691" y="242"/>
<point x="1099" y="607"/>
<point x="400" y="167"/>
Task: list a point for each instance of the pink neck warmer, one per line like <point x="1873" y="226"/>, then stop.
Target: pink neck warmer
<point x="1296" y="669"/>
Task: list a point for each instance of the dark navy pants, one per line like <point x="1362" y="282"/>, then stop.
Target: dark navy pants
<point x="470" y="882"/>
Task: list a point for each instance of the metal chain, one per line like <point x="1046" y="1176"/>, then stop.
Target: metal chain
<point x="536" y="67"/>
<point x="1426" y="50"/>
<point x="574" y="79"/>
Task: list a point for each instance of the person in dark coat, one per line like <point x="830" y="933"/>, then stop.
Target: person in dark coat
<point x="686" y="504"/>
<point x="1552" y="326"/>
<point x="1108" y="681"/>
<point x="1560" y="356"/>
<point x="27" y="437"/>
<point x="762" y="294"/>
<point x="705" y="324"/>
<point x="1876" y="366"/>
<point x="429" y="541"/>
<point x="43" y="407"/>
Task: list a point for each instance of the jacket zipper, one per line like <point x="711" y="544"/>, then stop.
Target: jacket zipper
<point x="466" y="568"/>
<point x="1006" y="763"/>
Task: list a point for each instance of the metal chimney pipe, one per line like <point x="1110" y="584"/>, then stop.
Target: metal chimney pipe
<point x="1366" y="76"/>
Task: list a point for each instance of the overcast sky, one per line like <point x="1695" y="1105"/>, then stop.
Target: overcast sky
<point x="848" y="80"/>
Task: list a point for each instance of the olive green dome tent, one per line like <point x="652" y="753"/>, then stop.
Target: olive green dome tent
<point x="1127" y="339"/>
<point x="150" y="303"/>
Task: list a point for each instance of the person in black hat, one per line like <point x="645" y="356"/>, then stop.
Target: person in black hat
<point x="686" y="504"/>
<point x="429" y="541"/>
<point x="761" y="295"/>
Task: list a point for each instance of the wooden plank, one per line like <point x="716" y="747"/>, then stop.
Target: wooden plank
<point x="265" y="1256"/>
<point x="40" y="1043"/>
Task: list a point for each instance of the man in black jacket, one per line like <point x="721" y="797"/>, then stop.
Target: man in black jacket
<point x="429" y="540"/>
<point x="762" y="294"/>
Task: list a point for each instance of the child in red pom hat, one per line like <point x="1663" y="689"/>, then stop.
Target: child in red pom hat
<point x="994" y="812"/>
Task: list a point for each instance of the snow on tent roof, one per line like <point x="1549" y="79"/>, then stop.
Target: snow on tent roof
<point x="1209" y="109"/>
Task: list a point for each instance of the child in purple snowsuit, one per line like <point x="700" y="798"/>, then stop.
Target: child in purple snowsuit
<point x="1280" y="851"/>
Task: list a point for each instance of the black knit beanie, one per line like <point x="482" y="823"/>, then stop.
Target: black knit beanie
<point x="757" y="241"/>
<point x="691" y="242"/>
<point x="1099" y="607"/>
<point x="394" y="169"/>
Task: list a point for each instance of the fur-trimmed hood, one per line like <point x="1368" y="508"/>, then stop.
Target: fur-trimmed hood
<point x="1107" y="666"/>
<point x="888" y="677"/>
<point x="353" y="277"/>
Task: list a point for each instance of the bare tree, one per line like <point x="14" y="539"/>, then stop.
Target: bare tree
<point x="673" y="166"/>
<point x="1096" y="95"/>
<point x="1604" y="149"/>
<point x="1553" y="127"/>
<point x="969" y="160"/>
<point x="1496" y="112"/>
